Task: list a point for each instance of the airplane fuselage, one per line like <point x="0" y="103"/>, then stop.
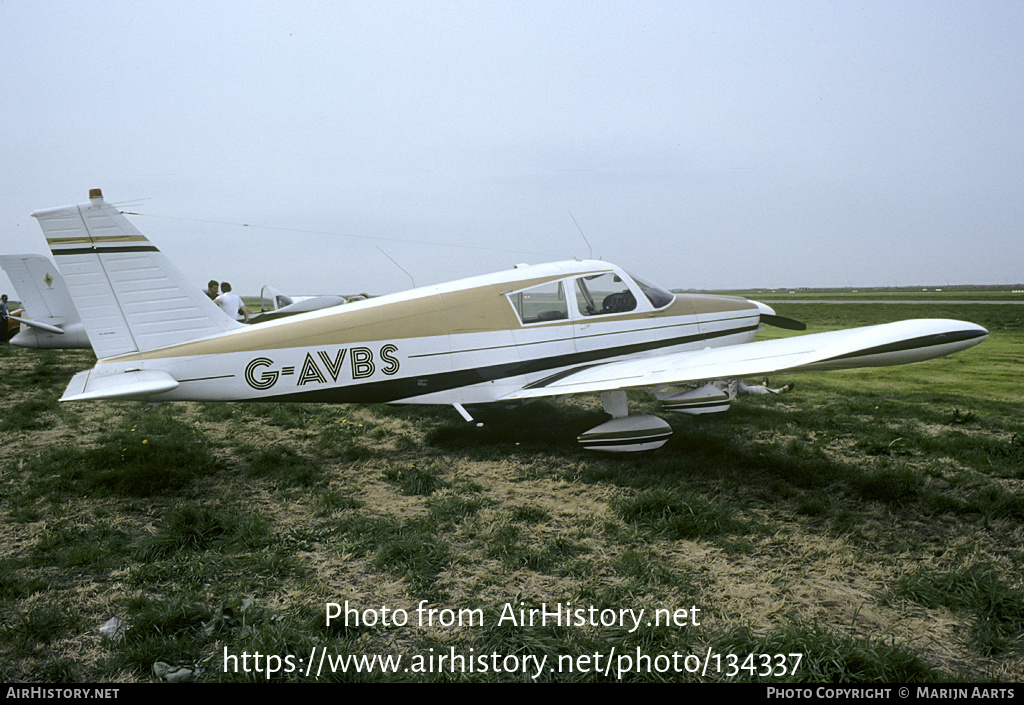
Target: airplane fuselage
<point x="468" y="342"/>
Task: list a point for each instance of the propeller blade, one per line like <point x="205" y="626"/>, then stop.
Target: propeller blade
<point x="783" y="322"/>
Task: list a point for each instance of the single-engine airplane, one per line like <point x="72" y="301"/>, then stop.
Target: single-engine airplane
<point x="274" y="304"/>
<point x="549" y="330"/>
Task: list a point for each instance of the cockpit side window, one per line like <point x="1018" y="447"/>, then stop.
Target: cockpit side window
<point x="601" y="294"/>
<point x="540" y="304"/>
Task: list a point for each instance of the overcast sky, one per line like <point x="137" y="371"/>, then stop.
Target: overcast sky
<point x="698" y="144"/>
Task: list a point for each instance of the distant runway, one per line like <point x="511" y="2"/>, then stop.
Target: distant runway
<point x="879" y="301"/>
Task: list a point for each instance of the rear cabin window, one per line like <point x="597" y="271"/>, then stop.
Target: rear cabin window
<point x="542" y="303"/>
<point x="601" y="294"/>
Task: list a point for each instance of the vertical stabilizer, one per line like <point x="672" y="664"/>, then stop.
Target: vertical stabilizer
<point x="129" y="296"/>
<point x="49" y="318"/>
<point x="41" y="290"/>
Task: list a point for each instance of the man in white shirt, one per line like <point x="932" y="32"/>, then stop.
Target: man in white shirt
<point x="231" y="304"/>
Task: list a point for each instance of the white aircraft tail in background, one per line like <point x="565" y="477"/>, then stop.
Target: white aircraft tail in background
<point x="48" y="317"/>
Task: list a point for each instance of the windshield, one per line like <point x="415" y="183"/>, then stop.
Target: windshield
<point x="657" y="296"/>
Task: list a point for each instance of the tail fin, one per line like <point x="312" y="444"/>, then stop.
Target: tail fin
<point x="129" y="296"/>
<point x="49" y="318"/>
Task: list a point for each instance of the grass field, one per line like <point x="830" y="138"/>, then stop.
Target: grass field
<point x="871" y="522"/>
<point x="929" y="294"/>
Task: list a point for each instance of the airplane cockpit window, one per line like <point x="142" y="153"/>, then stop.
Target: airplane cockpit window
<point x="600" y="294"/>
<point x="542" y="303"/>
<point x="657" y="296"/>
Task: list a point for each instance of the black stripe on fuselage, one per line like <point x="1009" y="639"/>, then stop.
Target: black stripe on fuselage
<point x="410" y="387"/>
<point x="551" y="379"/>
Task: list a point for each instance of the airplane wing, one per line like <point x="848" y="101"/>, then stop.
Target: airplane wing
<point x="871" y="346"/>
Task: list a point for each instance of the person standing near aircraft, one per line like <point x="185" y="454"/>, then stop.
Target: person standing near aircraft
<point x="231" y="304"/>
<point x="4" y="318"/>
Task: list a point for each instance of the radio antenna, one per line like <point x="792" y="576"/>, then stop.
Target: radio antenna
<point x="397" y="265"/>
<point x="582" y="235"/>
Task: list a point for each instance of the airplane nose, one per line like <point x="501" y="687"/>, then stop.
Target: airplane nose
<point x="769" y="317"/>
<point x="765" y="309"/>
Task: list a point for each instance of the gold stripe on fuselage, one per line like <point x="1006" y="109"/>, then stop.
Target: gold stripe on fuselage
<point x="95" y="239"/>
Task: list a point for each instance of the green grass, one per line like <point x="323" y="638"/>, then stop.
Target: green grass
<point x="199" y="528"/>
<point x="677" y="514"/>
<point x="966" y="294"/>
<point x="413" y="480"/>
<point x="34" y="630"/>
<point x="997" y="609"/>
<point x="284" y="466"/>
<point x="30" y="415"/>
<point x="151" y="453"/>
<point x="826" y="657"/>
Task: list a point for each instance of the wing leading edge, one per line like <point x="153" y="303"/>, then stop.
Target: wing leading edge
<point x="872" y="346"/>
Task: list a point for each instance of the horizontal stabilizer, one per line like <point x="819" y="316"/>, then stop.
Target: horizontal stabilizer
<point x="136" y="384"/>
<point x="40" y="325"/>
<point x="314" y="303"/>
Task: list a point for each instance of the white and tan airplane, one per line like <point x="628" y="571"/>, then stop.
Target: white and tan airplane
<point x="549" y="330"/>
